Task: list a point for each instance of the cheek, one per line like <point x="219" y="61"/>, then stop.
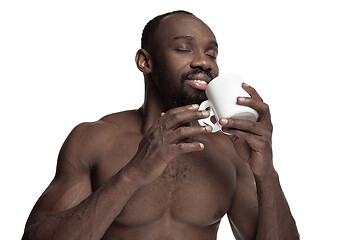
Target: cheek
<point x="177" y="61"/>
<point x="174" y="66"/>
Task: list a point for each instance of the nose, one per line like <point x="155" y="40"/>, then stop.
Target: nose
<point x="202" y="61"/>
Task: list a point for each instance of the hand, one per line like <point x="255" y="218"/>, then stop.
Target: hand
<point x="164" y="141"/>
<point x="253" y="140"/>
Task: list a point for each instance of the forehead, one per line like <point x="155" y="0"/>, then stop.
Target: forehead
<point x="176" y="25"/>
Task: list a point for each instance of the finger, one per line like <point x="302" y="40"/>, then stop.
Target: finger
<point x="193" y="107"/>
<point x="245" y="126"/>
<point x="257" y="143"/>
<point x="187" y="132"/>
<point x="261" y="107"/>
<point x="181" y="148"/>
<point x="175" y="120"/>
<point x="251" y="91"/>
<point x="166" y="115"/>
<point x="255" y="128"/>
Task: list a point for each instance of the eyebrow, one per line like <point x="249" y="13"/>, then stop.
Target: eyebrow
<point x="184" y="37"/>
<point x="212" y="42"/>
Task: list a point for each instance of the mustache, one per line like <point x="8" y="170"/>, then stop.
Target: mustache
<point x="186" y="75"/>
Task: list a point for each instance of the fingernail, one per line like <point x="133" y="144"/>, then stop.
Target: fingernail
<point x="223" y="121"/>
<point x="194" y="106"/>
<point x="208" y="128"/>
<point x="241" y="99"/>
<point x="245" y="84"/>
<point x="205" y="113"/>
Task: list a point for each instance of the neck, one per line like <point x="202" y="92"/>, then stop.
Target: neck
<point x="151" y="109"/>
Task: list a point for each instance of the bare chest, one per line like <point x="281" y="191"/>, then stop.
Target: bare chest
<point x="194" y="189"/>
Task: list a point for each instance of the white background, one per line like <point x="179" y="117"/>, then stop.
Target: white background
<point x="65" y="62"/>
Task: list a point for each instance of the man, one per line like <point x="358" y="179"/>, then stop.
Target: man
<point x="154" y="172"/>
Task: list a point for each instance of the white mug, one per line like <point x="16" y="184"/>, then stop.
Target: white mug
<point x="222" y="93"/>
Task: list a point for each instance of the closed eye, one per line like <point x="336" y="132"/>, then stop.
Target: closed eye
<point x="183" y="50"/>
<point x="211" y="56"/>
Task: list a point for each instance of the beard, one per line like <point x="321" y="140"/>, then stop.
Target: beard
<point x="189" y="95"/>
<point x="184" y="98"/>
<point x="183" y="94"/>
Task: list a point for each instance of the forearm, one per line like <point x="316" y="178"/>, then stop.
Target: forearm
<point x="89" y="219"/>
<point x="275" y="219"/>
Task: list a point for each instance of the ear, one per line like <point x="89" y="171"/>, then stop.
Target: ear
<point x="143" y="61"/>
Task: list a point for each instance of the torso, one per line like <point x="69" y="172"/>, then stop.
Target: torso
<point x="186" y="202"/>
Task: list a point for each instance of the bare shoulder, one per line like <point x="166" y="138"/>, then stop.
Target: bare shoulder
<point x="92" y="138"/>
<point x="122" y="120"/>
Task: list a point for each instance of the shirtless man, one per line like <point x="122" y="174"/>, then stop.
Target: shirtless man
<point x="154" y="173"/>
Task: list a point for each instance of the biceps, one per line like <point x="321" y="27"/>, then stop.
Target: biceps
<point x="244" y="223"/>
<point x="62" y="194"/>
<point x="243" y="214"/>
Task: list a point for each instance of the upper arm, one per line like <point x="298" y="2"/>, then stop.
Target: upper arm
<point x="72" y="181"/>
<point x="243" y="213"/>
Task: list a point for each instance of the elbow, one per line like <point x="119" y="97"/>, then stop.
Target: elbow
<point x="27" y="235"/>
<point x="297" y="236"/>
<point x="294" y="236"/>
<point x="31" y="233"/>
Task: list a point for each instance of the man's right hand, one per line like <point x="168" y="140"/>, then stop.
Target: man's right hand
<point x="164" y="141"/>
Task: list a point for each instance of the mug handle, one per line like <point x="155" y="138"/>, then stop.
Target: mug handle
<point x="205" y="105"/>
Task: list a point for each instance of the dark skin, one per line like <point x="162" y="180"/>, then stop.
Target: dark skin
<point x="154" y="173"/>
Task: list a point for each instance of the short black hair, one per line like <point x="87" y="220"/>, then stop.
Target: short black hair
<point x="153" y="24"/>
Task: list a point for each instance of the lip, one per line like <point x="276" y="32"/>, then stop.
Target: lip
<point x="198" y="81"/>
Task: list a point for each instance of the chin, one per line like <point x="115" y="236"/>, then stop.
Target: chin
<point x="188" y="100"/>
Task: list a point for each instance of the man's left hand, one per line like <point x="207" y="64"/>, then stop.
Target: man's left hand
<point x="253" y="139"/>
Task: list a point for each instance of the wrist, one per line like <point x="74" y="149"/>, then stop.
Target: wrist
<point x="130" y="177"/>
<point x="270" y="176"/>
<point x="268" y="189"/>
